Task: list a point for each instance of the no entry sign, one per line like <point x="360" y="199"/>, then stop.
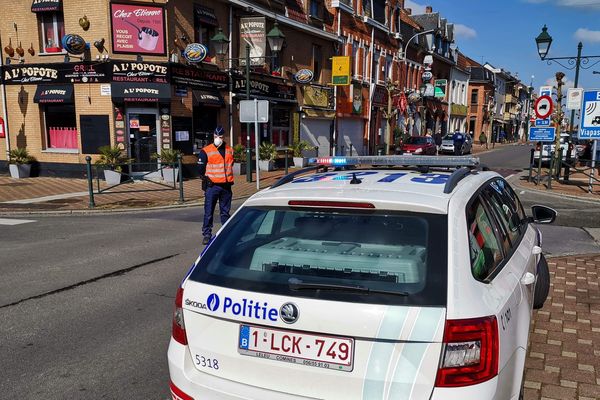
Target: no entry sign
<point x="543" y="107"/>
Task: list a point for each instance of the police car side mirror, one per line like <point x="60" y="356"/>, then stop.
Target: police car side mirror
<point x="543" y="214"/>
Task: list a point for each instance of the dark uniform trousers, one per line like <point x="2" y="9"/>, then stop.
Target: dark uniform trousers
<point x="214" y="194"/>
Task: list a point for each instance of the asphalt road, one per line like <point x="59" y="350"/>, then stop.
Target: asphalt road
<point x="86" y="301"/>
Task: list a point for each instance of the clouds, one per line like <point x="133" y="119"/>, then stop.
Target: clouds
<point x="587" y="4"/>
<point x="415" y="7"/>
<point x="586" y="35"/>
<point x="567" y="83"/>
<point x="464" y="31"/>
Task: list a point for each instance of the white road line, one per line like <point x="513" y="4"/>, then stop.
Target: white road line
<point x="6" y="221"/>
<point x="47" y="198"/>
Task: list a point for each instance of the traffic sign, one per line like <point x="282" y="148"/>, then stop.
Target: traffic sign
<point x="590" y="108"/>
<point x="545" y="90"/>
<point x="251" y="112"/>
<point x="542" y="122"/>
<point x="543" y="107"/>
<point x="542" y="134"/>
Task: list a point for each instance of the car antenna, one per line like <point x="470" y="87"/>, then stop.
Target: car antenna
<point x="355" y="180"/>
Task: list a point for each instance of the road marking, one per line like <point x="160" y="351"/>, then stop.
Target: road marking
<point x="6" y="221"/>
<point x="47" y="198"/>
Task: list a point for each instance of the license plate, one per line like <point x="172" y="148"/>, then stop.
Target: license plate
<point x="297" y="348"/>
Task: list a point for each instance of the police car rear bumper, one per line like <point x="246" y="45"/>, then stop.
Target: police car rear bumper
<point x="202" y="386"/>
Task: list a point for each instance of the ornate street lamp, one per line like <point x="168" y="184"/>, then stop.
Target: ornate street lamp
<point x="276" y="39"/>
<point x="543" y="41"/>
<point x="220" y="43"/>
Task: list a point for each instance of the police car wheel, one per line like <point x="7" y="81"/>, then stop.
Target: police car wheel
<point x="542" y="286"/>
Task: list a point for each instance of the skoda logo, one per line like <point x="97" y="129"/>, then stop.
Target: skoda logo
<point x="213" y="302"/>
<point x="289" y="313"/>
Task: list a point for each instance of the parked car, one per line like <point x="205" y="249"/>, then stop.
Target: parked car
<point x="547" y="148"/>
<point x="447" y="146"/>
<point x="365" y="284"/>
<point x="421" y="145"/>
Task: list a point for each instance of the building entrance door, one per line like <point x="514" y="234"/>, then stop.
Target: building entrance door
<point x="142" y="125"/>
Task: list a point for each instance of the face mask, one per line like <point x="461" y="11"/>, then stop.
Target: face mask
<point x="218" y="141"/>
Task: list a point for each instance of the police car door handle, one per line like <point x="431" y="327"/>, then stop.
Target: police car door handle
<point x="536" y="250"/>
<point x="528" y="279"/>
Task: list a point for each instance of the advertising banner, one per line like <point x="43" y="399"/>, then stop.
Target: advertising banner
<point x="81" y="72"/>
<point x="340" y="70"/>
<point x="145" y="72"/>
<point x="138" y="28"/>
<point x="253" y="33"/>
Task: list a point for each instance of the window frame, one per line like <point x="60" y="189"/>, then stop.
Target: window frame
<point x="46" y="131"/>
<point x="55" y="27"/>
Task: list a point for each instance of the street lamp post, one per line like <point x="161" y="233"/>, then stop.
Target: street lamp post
<point x="276" y="40"/>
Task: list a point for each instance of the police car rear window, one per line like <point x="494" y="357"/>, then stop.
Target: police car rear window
<point x="399" y="257"/>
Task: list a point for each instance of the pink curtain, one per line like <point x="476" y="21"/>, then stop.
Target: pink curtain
<point x="62" y="138"/>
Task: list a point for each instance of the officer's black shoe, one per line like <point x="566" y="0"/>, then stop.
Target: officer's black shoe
<point x="206" y="240"/>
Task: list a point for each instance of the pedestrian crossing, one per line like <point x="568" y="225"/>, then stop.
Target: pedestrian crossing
<point x="13" y="221"/>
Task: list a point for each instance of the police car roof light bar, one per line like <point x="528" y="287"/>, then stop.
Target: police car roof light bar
<point x="412" y="160"/>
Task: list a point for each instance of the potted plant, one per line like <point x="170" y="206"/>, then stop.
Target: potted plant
<point x="239" y="159"/>
<point x="111" y="158"/>
<point x="267" y="153"/>
<point x="19" y="162"/>
<point x="297" y="149"/>
<point x="168" y="160"/>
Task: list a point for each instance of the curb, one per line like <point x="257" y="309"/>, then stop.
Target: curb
<point x="516" y="178"/>
<point x="88" y="212"/>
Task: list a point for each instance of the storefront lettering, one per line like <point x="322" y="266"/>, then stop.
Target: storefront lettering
<point x="262" y="87"/>
<point x="140" y="67"/>
<point x="140" y="12"/>
<point x="141" y="91"/>
<point x="54" y="91"/>
<point x="30" y="74"/>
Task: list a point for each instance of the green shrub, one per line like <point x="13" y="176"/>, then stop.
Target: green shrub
<point x="299" y="147"/>
<point x="112" y="157"/>
<point x="239" y="153"/>
<point x="267" y="152"/>
<point x="167" y="156"/>
<point x="20" y="155"/>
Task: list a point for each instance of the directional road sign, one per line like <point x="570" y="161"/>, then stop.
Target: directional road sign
<point x="590" y="108"/>
<point x="545" y="90"/>
<point x="542" y="122"/>
<point x="542" y="134"/>
<point x="543" y="107"/>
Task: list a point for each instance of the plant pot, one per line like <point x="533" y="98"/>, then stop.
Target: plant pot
<point x="168" y="174"/>
<point x="112" y="177"/>
<point x="300" y="162"/>
<point x="239" y="169"/>
<point x="265" y="165"/>
<point x="19" y="171"/>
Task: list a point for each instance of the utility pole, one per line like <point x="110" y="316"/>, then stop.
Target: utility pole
<point x="558" y="117"/>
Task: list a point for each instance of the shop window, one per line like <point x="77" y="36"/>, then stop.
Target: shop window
<point x="51" y="30"/>
<point x="61" y="126"/>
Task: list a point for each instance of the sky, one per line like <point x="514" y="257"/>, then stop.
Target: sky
<point x="503" y="33"/>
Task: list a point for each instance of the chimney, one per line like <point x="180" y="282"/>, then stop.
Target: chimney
<point x="408" y="11"/>
<point x="428" y="10"/>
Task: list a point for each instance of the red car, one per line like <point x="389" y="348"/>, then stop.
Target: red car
<point x="421" y="145"/>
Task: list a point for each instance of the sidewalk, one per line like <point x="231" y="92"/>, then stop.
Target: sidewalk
<point x="43" y="194"/>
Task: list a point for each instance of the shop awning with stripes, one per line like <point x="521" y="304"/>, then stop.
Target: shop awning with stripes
<point x="54" y="94"/>
<point x="46" y="5"/>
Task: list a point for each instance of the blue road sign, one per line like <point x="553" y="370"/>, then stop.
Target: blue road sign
<point x="590" y="121"/>
<point x="542" y="122"/>
<point x="542" y="134"/>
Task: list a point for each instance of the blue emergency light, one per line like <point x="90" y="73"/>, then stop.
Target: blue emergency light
<point x="412" y="160"/>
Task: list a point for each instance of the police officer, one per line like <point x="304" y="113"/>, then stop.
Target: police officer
<point x="458" y="139"/>
<point x="216" y="171"/>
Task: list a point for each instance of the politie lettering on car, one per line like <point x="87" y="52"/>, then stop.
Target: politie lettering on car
<point x="411" y="279"/>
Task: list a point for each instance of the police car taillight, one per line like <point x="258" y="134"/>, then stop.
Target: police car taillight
<point x="178" y="394"/>
<point x="470" y="352"/>
<point x="178" y="331"/>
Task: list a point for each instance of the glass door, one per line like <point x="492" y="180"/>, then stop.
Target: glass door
<point x="142" y="126"/>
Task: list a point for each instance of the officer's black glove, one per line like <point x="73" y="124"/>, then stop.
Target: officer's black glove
<point x="204" y="182"/>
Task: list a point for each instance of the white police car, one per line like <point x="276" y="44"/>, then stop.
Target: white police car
<point x="364" y="284"/>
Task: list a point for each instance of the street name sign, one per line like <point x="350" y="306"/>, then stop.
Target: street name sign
<point x="542" y="134"/>
<point x="590" y="110"/>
